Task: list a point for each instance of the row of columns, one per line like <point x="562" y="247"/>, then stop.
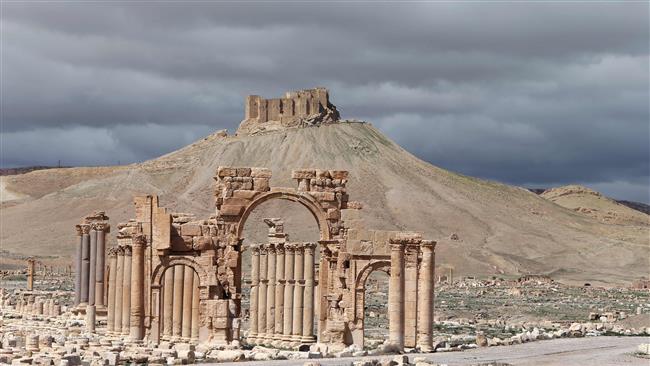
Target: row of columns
<point x="180" y="311"/>
<point x="89" y="264"/>
<point x="282" y="293"/>
<point x="410" y="294"/>
<point x="126" y="289"/>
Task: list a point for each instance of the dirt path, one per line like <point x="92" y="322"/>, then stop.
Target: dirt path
<point x="590" y="351"/>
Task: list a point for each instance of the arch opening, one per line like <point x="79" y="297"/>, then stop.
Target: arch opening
<point x="279" y="259"/>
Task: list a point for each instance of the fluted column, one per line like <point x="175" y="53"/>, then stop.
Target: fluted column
<point x="298" y="292"/>
<point x="93" y="265"/>
<point x="289" y="251"/>
<point x="261" y="304"/>
<point x="194" y="334"/>
<point x="188" y="295"/>
<point x="85" y="263"/>
<point x="112" y="279"/>
<point x="270" y="291"/>
<point x="77" y="267"/>
<point x="254" y="298"/>
<point x="136" y="322"/>
<point x="119" y="290"/>
<point x="308" y="303"/>
<point x="396" y="295"/>
<point x="425" y="297"/>
<point x="168" y="303"/>
<point x="126" y="291"/>
<point x="102" y="229"/>
<point x="177" y="322"/>
<point x="279" y="288"/>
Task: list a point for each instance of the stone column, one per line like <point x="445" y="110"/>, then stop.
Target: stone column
<point x="261" y="304"/>
<point x="254" y="298"/>
<point x="188" y="295"/>
<point x="425" y="297"/>
<point x="93" y="265"/>
<point x="136" y="322"/>
<point x="100" y="266"/>
<point x="177" y="322"/>
<point x="289" y="251"/>
<point x="411" y="294"/>
<point x="112" y="279"/>
<point x="279" y="288"/>
<point x="298" y="289"/>
<point x="396" y="295"/>
<point x="30" y="274"/>
<point x="270" y="292"/>
<point x="90" y="318"/>
<point x="77" y="267"/>
<point x="308" y="312"/>
<point x="168" y="303"/>
<point x="85" y="263"/>
<point x="119" y="290"/>
<point x="126" y="291"/>
<point x="196" y="302"/>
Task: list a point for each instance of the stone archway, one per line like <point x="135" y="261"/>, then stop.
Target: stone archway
<point x="313" y="206"/>
<point x="360" y="297"/>
<point x="179" y="302"/>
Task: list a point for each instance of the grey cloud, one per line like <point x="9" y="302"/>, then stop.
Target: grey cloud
<point x="526" y="93"/>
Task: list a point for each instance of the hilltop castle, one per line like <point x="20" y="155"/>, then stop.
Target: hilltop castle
<point x="296" y="108"/>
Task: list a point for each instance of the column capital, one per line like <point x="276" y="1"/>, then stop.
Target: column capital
<point x="279" y="248"/>
<point x="263" y="249"/>
<point x="138" y="241"/>
<point x="289" y="248"/>
<point x="310" y="246"/>
<point x="428" y="244"/>
<point x="119" y="250"/>
<point x="128" y="251"/>
<point x="255" y="249"/>
<point x="112" y="252"/>
<point x="85" y="228"/>
<point x="102" y="226"/>
<point x="78" y="229"/>
<point x="270" y="248"/>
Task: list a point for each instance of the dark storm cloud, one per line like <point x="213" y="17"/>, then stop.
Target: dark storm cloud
<point x="531" y="94"/>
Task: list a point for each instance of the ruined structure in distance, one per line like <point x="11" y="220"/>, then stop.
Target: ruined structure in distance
<point x="295" y="109"/>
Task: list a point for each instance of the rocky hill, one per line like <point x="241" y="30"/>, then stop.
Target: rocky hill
<point x="483" y="228"/>
<point x="591" y="203"/>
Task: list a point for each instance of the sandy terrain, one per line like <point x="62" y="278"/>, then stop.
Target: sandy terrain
<point x="602" y="351"/>
<point x="500" y="229"/>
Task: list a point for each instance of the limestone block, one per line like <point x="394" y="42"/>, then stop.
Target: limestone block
<point x="201" y="243"/>
<point x="223" y="171"/>
<point x="261" y="184"/>
<point x="243" y="172"/>
<point x="191" y="229"/>
<point x="231" y="210"/>
<point x="339" y="174"/>
<point x="235" y="201"/>
<point x="244" y="194"/>
<point x="260" y="173"/>
<point x="323" y="173"/>
<point x="334" y="214"/>
<point x="303" y="174"/>
<point x="324" y="196"/>
<point x="179" y="244"/>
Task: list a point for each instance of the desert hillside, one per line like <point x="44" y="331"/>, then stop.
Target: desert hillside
<point x="591" y="203"/>
<point x="482" y="227"/>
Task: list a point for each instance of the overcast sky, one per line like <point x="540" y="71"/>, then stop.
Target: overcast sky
<point x="532" y="94"/>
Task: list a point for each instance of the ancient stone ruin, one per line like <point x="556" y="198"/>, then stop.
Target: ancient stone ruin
<point x="172" y="277"/>
<point x="297" y="109"/>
